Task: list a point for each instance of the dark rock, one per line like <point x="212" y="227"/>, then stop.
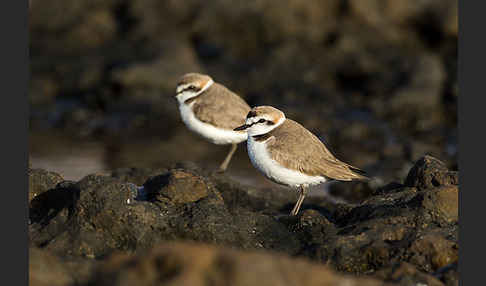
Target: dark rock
<point x="375" y="80"/>
<point x="177" y="186"/>
<point x="405" y="274"/>
<point x="46" y="269"/>
<point x="53" y="26"/>
<point x="136" y="176"/>
<point x="352" y="192"/>
<point x="449" y="274"/>
<point x="173" y="60"/>
<point x="41" y="181"/>
<point x="50" y="212"/>
<point x="397" y="20"/>
<point x="422" y="95"/>
<point x="442" y="203"/>
<point x="429" y="172"/>
<point x="396" y="225"/>
<point x="192" y="264"/>
<point x="100" y="214"/>
<point x="237" y="195"/>
<point x="95" y="217"/>
<point x="390" y="187"/>
<point x="431" y="252"/>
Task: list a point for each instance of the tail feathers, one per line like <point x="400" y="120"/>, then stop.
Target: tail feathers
<point x="360" y="174"/>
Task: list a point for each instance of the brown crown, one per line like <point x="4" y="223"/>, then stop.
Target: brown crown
<point x="197" y="79"/>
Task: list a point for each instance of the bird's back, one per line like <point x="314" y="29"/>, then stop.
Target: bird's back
<point x="298" y="148"/>
<point x="221" y="107"/>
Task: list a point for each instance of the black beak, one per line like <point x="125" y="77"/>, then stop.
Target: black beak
<point x="242" y="127"/>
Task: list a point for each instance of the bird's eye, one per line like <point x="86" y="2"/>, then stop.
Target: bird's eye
<point x="261" y="120"/>
<point x="191" y="87"/>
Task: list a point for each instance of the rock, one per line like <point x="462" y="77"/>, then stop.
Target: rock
<point x="177" y="186"/>
<point x="422" y="94"/>
<point x="404" y="273"/>
<point x="192" y="264"/>
<point x="442" y="203"/>
<point x="96" y="216"/>
<point x="161" y="74"/>
<point x="237" y="195"/>
<point x="46" y="269"/>
<point x="431" y="252"/>
<point x="400" y="233"/>
<point x="388" y="228"/>
<point x="41" y="181"/>
<point x="100" y="214"/>
<point x="396" y="20"/>
<point x="385" y="73"/>
<point x="54" y="21"/>
<point x="429" y="172"/>
<point x="449" y="274"/>
<point x="136" y="176"/>
<point x="50" y="212"/>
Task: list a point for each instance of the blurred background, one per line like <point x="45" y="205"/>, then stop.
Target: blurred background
<point x="376" y="80"/>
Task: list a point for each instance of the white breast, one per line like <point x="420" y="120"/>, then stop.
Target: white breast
<point x="260" y="158"/>
<point x="215" y="135"/>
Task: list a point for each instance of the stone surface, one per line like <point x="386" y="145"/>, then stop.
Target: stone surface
<point x="430" y="172"/>
<point x="404" y="273"/>
<point x="190" y="264"/>
<point x="449" y="274"/>
<point x="400" y="234"/>
<point x="41" y="180"/>
<point x="100" y="214"/>
<point x="375" y="80"/>
<point x="443" y="203"/>
<point x="177" y="186"/>
<point x="46" y="269"/>
<point x="431" y="252"/>
<point x="136" y="176"/>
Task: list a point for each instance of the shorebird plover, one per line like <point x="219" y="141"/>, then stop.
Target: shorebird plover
<point x="288" y="154"/>
<point x="212" y="111"/>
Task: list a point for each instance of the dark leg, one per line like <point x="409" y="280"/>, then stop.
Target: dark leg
<point x="302" y="193"/>
<point x="226" y="161"/>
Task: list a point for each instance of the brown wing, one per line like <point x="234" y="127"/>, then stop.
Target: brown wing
<point x="298" y="148"/>
<point x="221" y="107"/>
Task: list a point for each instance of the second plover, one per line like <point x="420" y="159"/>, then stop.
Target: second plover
<point x="212" y="111"/>
<point x="289" y="154"/>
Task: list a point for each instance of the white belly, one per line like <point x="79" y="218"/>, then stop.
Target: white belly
<point x="215" y="135"/>
<point x="261" y="160"/>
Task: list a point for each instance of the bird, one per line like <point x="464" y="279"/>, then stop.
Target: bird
<point x="212" y="111"/>
<point x="289" y="154"/>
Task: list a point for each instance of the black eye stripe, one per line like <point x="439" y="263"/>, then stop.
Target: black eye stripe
<point x="262" y="121"/>
<point x="251" y="114"/>
<point x="191" y="87"/>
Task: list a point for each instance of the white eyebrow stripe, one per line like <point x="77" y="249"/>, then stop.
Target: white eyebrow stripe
<point x="182" y="87"/>
<point x="182" y="96"/>
<point x="255" y="119"/>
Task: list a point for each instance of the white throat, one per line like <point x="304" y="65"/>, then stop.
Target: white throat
<point x="183" y="96"/>
<point x="262" y="128"/>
